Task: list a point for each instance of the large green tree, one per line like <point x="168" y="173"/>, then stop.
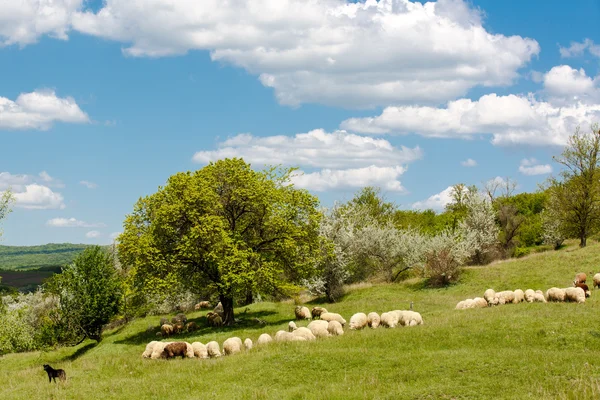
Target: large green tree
<point x="576" y="193"/>
<point x="227" y="227"/>
<point x="89" y="291"/>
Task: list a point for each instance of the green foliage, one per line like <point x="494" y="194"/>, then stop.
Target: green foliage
<point x="226" y="227"/>
<point x="521" y="251"/>
<point x="6" y="200"/>
<point x="90" y="292"/>
<point x="31" y="257"/>
<point x="427" y="222"/>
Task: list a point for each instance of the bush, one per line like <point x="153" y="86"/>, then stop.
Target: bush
<point x="441" y="267"/>
<point x="521" y="251"/>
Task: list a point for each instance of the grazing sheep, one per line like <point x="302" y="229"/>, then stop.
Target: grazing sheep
<point x="264" y="339"/>
<point x="358" y="321"/>
<point x="214" y="319"/>
<point x="596" y="281"/>
<point x="329" y="316"/>
<point x="283" y="336"/>
<point x="149" y="349"/>
<point x="335" y="328"/>
<point x="191" y="326"/>
<point x="373" y="320"/>
<point x="480" y="302"/>
<point x="200" y="350"/>
<point x="166" y="330"/>
<point x="580" y="278"/>
<point x="575" y="294"/>
<point x="232" y="345"/>
<point x="163" y="321"/>
<point x="305" y="333"/>
<point x="302" y="312"/>
<point x="409" y="318"/>
<point x="248" y="343"/>
<point x="176" y="349"/>
<point x="539" y="297"/>
<point x="213" y="349"/>
<point x="182" y="318"/>
<point x="157" y="350"/>
<point x="507" y="295"/>
<point x="292" y="326"/>
<point x="319" y="328"/>
<point x="178" y="328"/>
<point x="317" y="311"/>
<point x="389" y="319"/>
<point x="585" y="288"/>
<point x="460" y="305"/>
<point x="490" y="297"/>
<point x="201" y="305"/>
<point x="529" y="295"/>
<point x="555" y="294"/>
<point x="519" y="296"/>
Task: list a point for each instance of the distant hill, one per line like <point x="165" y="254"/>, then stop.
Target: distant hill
<point x="32" y="257"/>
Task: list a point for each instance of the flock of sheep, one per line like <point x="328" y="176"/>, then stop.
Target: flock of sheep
<point x="577" y="294"/>
<point x="328" y="324"/>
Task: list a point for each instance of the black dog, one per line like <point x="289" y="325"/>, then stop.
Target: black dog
<point x="55" y="373"/>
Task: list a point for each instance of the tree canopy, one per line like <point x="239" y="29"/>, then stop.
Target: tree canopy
<point x="6" y="199"/>
<point x="227" y="227"/>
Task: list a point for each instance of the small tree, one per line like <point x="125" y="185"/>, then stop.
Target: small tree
<point x="6" y="199"/>
<point x="479" y="224"/>
<point x="446" y="253"/>
<point x="576" y="197"/>
<point x="89" y="292"/>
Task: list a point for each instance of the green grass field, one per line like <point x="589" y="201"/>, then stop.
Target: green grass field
<point x="29" y="257"/>
<point x="516" y="351"/>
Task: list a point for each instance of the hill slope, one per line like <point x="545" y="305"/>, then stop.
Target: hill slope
<point x="27" y="257"/>
<point x="524" y="351"/>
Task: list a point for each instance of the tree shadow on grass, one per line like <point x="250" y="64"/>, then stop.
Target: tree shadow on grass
<point x="243" y="320"/>
<point x="80" y="351"/>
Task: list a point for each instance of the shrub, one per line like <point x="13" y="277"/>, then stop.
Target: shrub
<point x="521" y="251"/>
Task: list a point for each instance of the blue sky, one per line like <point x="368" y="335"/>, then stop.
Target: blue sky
<point x="394" y="94"/>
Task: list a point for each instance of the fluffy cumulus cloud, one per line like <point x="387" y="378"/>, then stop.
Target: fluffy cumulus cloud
<point x="531" y="166"/>
<point x="510" y="120"/>
<point x="469" y="162"/>
<point x="316" y="148"/>
<point x="328" y="179"/>
<point x="72" y="223"/>
<point x="577" y="49"/>
<point x="33" y="192"/>
<point x="22" y="22"/>
<point x="39" y="110"/>
<point x="93" y="234"/>
<point x="436" y="202"/>
<point x="336" y="52"/>
<point x="564" y="84"/>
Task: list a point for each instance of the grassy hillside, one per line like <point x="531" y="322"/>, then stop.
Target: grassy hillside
<point x="27" y="280"/>
<point x="28" y="257"/>
<point x="516" y="351"/>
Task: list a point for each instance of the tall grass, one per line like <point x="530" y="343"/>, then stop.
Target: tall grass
<point x="521" y="351"/>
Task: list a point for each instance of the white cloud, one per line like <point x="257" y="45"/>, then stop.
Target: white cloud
<point x="531" y="166"/>
<point x="39" y="197"/>
<point x="23" y="22"/>
<point x="511" y="120"/>
<point x="436" y="202"/>
<point x="469" y="162"/>
<point x="316" y="148"/>
<point x="72" y="223"/>
<point x="356" y="54"/>
<point x="114" y="235"/>
<point x="93" y="234"/>
<point x="89" y="185"/>
<point x="564" y="81"/>
<point x="328" y="179"/>
<point x="39" y="110"/>
<point x="32" y="192"/>
<point x="577" y="49"/>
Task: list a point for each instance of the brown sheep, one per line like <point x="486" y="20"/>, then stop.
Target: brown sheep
<point x="202" y="304"/>
<point x="166" y="330"/>
<point x="580" y="278"/>
<point x="178" y="328"/>
<point x="182" y="318"/>
<point x="175" y="349"/>
<point x="214" y="319"/>
<point x="317" y="311"/>
<point x="585" y="288"/>
<point x="191" y="326"/>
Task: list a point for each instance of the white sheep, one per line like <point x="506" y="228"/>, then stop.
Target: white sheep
<point x="213" y="349"/>
<point x="389" y="319"/>
<point x="305" y="333"/>
<point x="264" y="339"/>
<point x="335" y="328"/>
<point x="329" y="316"/>
<point x="529" y="295"/>
<point x="596" y="280"/>
<point x="292" y="326"/>
<point x="409" y="318"/>
<point x="232" y="345"/>
<point x="248" y="343"/>
<point x="490" y="297"/>
<point x="373" y="320"/>
<point x="199" y="350"/>
<point x="189" y="350"/>
<point x="149" y="349"/>
<point x="539" y="297"/>
<point x="319" y="328"/>
<point x="358" y="321"/>
<point x="157" y="350"/>
<point x="575" y="294"/>
<point x="507" y="295"/>
<point x="480" y="302"/>
<point x="302" y="312"/>
<point x="460" y="305"/>
<point x="519" y="296"/>
<point x="283" y="336"/>
<point x="555" y="294"/>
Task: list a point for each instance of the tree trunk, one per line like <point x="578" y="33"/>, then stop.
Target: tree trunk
<point x="227" y="303"/>
<point x="582" y="241"/>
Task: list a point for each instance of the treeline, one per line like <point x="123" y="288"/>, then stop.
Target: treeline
<point x="29" y="257"/>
